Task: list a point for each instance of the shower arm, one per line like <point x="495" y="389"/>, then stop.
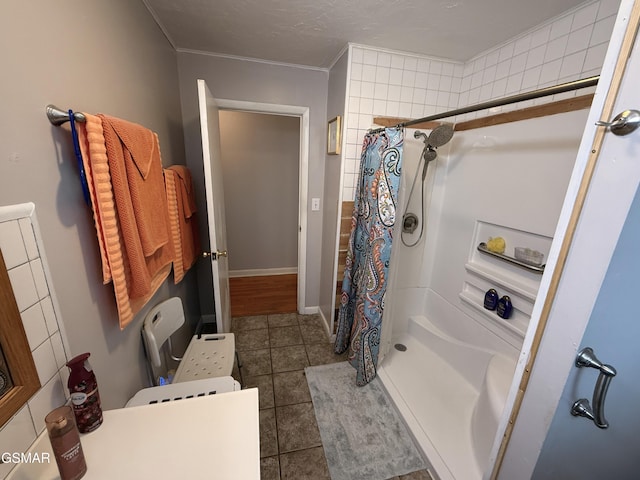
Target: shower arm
<point x="520" y="97"/>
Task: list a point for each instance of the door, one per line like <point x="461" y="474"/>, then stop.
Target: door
<point x="594" y="306"/>
<point x="575" y="448"/>
<point x="210" y="131"/>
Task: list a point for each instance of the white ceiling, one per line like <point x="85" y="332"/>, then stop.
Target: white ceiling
<point x="313" y="32"/>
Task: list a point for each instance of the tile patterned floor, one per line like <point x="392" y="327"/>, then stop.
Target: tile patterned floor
<point x="273" y="351"/>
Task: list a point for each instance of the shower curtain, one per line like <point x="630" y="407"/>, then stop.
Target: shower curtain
<point x="367" y="264"/>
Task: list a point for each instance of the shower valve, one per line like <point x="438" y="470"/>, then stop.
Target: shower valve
<point x="409" y="222"/>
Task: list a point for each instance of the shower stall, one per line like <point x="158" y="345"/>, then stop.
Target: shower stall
<point x="446" y="360"/>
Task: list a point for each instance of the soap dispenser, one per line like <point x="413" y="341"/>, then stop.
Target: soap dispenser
<point x="85" y="396"/>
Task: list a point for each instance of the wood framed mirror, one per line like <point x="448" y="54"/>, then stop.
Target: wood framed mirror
<point x="17" y="366"/>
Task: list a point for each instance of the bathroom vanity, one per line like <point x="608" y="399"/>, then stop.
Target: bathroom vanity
<point x="216" y="436"/>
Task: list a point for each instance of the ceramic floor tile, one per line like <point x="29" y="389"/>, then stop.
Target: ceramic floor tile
<point x="283" y="319"/>
<point x="290" y="388"/>
<point x="255" y="362"/>
<point x="265" y="389"/>
<point x="285" y="336"/>
<point x="309" y="464"/>
<point x="310" y="320"/>
<point x="297" y="427"/>
<point x="242" y="324"/>
<point x="268" y="433"/>
<point x="270" y="468"/>
<point x="286" y="359"/>
<point x="252" y="339"/>
<point x="314" y="334"/>
<point x="322" y="354"/>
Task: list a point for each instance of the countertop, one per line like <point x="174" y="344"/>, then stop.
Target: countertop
<point x="216" y="436"/>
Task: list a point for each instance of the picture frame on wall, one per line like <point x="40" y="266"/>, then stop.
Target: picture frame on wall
<point x="334" y="140"/>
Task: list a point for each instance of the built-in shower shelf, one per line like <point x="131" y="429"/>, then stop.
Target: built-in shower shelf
<point x="482" y="247"/>
<point x="499" y="279"/>
<point x="517" y="325"/>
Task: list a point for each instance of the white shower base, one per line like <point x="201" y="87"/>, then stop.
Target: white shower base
<point x="451" y="395"/>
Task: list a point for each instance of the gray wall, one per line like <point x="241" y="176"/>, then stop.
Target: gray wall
<point x="260" y="157"/>
<point x="234" y="79"/>
<point x="335" y="106"/>
<point x="114" y="59"/>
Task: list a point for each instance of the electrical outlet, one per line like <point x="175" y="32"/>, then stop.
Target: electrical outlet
<point x="315" y="204"/>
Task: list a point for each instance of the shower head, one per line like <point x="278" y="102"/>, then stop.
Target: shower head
<point x="440" y="135"/>
<point x="429" y="153"/>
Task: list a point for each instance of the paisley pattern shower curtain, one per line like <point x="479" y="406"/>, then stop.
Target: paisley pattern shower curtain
<point x="367" y="264"/>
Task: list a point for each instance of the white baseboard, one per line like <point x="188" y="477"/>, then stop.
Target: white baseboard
<point x="262" y="272"/>
<point x="308" y="310"/>
<point x="327" y="328"/>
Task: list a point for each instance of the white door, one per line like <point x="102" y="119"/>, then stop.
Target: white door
<point x="210" y="131"/>
<point x="595" y="305"/>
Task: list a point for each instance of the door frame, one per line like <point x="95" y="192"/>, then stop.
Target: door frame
<point x="303" y="176"/>
<point x="578" y="262"/>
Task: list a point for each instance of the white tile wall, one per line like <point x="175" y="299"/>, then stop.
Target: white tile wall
<point x="27" y="268"/>
<point x="384" y="83"/>
<point x="395" y="84"/>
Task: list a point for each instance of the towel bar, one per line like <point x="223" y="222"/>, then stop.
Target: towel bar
<point x="58" y="116"/>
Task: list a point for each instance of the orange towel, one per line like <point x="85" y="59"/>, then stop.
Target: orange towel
<point x="174" y="222"/>
<point x="116" y="264"/>
<point x="188" y="248"/>
<point x="138" y="187"/>
<point x="91" y="142"/>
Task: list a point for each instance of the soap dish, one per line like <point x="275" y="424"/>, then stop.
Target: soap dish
<point x="528" y="255"/>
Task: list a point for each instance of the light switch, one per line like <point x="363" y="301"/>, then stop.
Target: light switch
<point x="315" y="204"/>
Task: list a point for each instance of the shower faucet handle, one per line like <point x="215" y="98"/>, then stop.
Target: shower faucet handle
<point x="624" y="123"/>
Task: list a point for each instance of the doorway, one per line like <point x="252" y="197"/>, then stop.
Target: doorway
<point x="265" y="165"/>
<point x="260" y="171"/>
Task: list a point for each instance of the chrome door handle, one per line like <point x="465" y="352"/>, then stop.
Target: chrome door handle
<point x="624" y="123"/>
<point x="581" y="407"/>
<point x="215" y="255"/>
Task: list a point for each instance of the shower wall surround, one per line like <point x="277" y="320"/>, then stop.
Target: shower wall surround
<point x="396" y="84"/>
<point x="21" y="246"/>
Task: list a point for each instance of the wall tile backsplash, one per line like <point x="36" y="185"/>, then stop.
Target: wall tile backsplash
<point x="22" y="250"/>
<point x="396" y="84"/>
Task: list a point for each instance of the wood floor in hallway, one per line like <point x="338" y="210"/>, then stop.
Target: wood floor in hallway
<point x="263" y="295"/>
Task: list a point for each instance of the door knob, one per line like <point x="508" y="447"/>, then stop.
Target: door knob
<point x="215" y="255"/>
<point x="624" y="123"/>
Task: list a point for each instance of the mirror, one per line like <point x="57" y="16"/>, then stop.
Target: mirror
<point x="17" y="364"/>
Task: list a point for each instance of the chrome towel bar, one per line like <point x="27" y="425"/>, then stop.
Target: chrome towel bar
<point x="57" y="116"/>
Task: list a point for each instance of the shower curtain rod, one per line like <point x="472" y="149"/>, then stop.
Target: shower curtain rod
<point x="520" y="97"/>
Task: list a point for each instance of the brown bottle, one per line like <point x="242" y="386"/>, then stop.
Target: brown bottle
<point x="85" y="396"/>
<point x="65" y="441"/>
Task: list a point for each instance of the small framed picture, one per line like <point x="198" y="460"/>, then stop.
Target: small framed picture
<point x="333" y="136"/>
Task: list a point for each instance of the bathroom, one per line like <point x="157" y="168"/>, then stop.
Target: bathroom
<point x="73" y="54"/>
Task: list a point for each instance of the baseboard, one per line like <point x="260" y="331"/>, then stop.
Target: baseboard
<point x="309" y="310"/>
<point x="262" y="272"/>
<point x="327" y="327"/>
